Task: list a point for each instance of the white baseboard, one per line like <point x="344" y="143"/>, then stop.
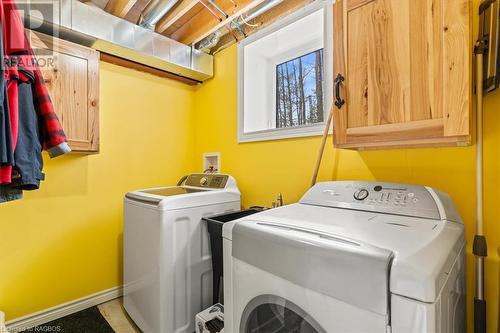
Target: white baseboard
<point x="3" y="329"/>
<point x="56" y="312"/>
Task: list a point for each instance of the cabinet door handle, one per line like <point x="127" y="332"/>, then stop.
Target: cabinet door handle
<point x="339" y="101"/>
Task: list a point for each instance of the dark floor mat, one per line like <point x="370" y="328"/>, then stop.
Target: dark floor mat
<point x="86" y="321"/>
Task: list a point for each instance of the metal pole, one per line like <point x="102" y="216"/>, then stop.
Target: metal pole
<point x="479" y="250"/>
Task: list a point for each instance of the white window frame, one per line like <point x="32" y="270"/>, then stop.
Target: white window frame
<point x="298" y="131"/>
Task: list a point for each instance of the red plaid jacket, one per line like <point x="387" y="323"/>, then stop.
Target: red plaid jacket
<point x="18" y="53"/>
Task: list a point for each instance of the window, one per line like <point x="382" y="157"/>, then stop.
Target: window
<point x="299" y="91"/>
<point x="284" y="77"/>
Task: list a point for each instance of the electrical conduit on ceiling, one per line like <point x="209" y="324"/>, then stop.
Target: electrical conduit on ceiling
<point x="209" y="42"/>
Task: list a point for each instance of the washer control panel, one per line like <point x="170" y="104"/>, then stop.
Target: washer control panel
<point x="213" y="181"/>
<point x="400" y="199"/>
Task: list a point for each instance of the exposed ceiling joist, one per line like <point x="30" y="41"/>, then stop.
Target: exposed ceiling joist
<point x="260" y="22"/>
<point x="135" y="12"/>
<point x="241" y="10"/>
<point x="198" y="26"/>
<point x="119" y="8"/>
<point x="99" y="3"/>
<point x="191" y="21"/>
<point x="180" y="10"/>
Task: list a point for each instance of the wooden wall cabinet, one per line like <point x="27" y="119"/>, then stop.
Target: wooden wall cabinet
<point x="406" y="66"/>
<point x="71" y="73"/>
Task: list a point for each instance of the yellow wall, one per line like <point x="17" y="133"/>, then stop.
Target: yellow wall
<point x="263" y="169"/>
<point x="64" y="241"/>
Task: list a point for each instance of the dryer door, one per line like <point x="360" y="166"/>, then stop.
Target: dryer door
<point x="269" y="313"/>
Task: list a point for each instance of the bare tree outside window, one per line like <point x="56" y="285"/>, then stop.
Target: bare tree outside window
<point x="299" y="91"/>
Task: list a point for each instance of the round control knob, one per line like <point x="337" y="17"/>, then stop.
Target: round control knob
<point x="361" y="194"/>
<point x="203" y="181"/>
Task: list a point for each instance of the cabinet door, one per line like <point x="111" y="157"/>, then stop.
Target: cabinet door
<point x="406" y="66"/>
<point x="71" y="74"/>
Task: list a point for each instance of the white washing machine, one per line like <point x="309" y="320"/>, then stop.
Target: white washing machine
<point x="167" y="262"/>
<point x="349" y="257"/>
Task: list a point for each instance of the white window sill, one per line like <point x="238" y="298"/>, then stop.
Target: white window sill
<point x="282" y="133"/>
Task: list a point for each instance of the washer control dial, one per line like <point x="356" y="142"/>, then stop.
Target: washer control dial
<point x="204" y="181"/>
<point x="361" y="194"/>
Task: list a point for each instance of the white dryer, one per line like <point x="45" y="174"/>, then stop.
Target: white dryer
<point x="167" y="262"/>
<point x="349" y="257"/>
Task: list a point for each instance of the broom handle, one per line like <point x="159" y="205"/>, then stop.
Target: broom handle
<point x="322" y="147"/>
<point x="479" y="248"/>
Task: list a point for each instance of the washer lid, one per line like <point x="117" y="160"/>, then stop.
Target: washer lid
<point x="174" y="190"/>
<point x="170" y="198"/>
<point x="423" y="250"/>
<point x="212" y="189"/>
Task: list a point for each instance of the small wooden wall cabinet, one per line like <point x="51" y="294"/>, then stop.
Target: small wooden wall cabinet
<point x="71" y="73"/>
<point x="404" y="73"/>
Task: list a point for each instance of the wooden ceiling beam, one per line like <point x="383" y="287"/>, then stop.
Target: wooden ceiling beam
<point x="173" y="16"/>
<point x="119" y="8"/>
<point x="134" y="14"/>
<point x="204" y="23"/>
<point x="242" y="10"/>
<point x="99" y="3"/>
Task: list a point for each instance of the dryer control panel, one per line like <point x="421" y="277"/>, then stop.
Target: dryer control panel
<point x="391" y="198"/>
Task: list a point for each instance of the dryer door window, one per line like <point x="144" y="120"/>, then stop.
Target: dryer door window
<point x="269" y="313"/>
